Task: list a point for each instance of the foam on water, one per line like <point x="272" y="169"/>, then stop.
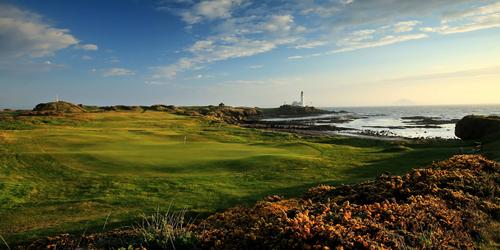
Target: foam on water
<point x="387" y="120"/>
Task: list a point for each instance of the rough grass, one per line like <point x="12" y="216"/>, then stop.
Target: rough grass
<point x="67" y="174"/>
<point x="451" y="204"/>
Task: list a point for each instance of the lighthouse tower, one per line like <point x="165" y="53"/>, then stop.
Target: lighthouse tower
<point x="302" y="102"/>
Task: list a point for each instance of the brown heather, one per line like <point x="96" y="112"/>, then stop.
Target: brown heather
<point x="447" y="205"/>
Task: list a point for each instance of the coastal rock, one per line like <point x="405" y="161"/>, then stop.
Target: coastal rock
<point x="423" y="120"/>
<point x="293" y="111"/>
<point x="232" y="115"/>
<point x="474" y="127"/>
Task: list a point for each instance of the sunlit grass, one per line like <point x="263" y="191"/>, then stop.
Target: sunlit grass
<point x="86" y="170"/>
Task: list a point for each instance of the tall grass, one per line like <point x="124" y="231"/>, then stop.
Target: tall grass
<point x="167" y="230"/>
<point x="4" y="242"/>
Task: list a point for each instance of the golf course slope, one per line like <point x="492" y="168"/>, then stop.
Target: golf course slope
<point x="94" y="172"/>
<point x="451" y="204"/>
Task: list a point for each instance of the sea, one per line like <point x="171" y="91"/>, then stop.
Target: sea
<point x="394" y="121"/>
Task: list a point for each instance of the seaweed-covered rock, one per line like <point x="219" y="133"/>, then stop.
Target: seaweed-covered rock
<point x="474" y="127"/>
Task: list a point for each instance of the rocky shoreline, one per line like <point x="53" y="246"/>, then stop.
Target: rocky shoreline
<point x="285" y="118"/>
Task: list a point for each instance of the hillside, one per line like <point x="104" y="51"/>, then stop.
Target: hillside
<point x="58" y="107"/>
<point x="452" y="204"/>
<point x="75" y="172"/>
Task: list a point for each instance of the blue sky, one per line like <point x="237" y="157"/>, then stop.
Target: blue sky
<point x="252" y="53"/>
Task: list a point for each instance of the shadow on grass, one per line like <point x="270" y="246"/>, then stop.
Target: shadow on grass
<point x="354" y="142"/>
<point x="401" y="162"/>
<point x="86" y="227"/>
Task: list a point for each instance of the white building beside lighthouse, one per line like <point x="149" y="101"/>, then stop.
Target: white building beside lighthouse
<point x="302" y="102"/>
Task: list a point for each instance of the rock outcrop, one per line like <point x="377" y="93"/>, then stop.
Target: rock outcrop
<point x="291" y="111"/>
<point x="232" y="115"/>
<point x="474" y="127"/>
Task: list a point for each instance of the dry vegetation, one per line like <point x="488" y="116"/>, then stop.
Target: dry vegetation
<point x="445" y="206"/>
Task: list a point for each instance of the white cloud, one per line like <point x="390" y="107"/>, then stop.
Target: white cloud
<point x="478" y="11"/>
<point x="117" y="72"/>
<point x="198" y="77"/>
<point x="363" y="39"/>
<point x="472" y="19"/>
<point x="242" y="28"/>
<point x="89" y="47"/>
<point x="346" y="2"/>
<point x="406" y="26"/>
<point x="311" y="45"/>
<point x="350" y="45"/>
<point x="218" y="52"/>
<point x="279" y="23"/>
<point x="86" y="58"/>
<point x="356" y="37"/>
<point x="478" y="23"/>
<point x="237" y="38"/>
<point x="170" y="71"/>
<point x="202" y="45"/>
<point x="210" y="10"/>
<point x="23" y="33"/>
<point x="427" y="29"/>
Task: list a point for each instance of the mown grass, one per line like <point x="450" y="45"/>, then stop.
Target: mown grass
<point x="68" y="174"/>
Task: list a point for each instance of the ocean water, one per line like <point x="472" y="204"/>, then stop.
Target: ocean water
<point x="388" y="120"/>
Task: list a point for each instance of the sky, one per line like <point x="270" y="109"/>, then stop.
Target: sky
<point x="250" y="53"/>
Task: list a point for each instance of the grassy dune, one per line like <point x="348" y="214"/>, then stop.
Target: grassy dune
<point x="73" y="173"/>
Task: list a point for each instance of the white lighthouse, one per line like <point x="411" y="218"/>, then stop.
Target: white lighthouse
<point x="302" y="102"/>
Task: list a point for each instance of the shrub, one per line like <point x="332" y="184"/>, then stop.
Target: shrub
<point x="445" y="206"/>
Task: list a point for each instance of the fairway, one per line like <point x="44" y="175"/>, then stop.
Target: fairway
<point x="73" y="173"/>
